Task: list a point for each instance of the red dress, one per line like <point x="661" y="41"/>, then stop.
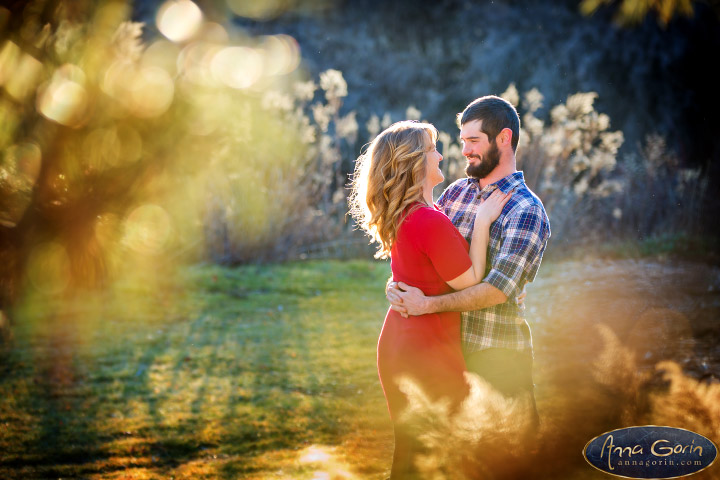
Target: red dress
<point x="427" y="252"/>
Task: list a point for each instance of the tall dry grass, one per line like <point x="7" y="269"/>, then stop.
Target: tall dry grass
<point x="489" y="436"/>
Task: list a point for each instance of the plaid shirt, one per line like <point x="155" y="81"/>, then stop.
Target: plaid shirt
<point x="517" y="241"/>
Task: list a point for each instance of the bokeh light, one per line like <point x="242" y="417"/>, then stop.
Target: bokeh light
<point x="314" y="454"/>
<point x="64" y="99"/>
<point x="27" y="158"/>
<point x="49" y="268"/>
<point x="63" y="102"/>
<point x="147" y="229"/>
<point x="9" y="57"/>
<point x="213" y="33"/>
<point x="282" y="54"/>
<point x="237" y="67"/>
<point x="152" y="92"/>
<point x="143" y="91"/>
<point x="112" y="147"/>
<point x="179" y="20"/>
<point x="194" y="63"/>
<point x="19" y="71"/>
<point x="117" y="79"/>
<point x="163" y="54"/>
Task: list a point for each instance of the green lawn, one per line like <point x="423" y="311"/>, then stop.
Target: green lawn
<point x="209" y="372"/>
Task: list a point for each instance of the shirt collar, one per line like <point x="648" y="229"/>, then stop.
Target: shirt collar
<point x="505" y="184"/>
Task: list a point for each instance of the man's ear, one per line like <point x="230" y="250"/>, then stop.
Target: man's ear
<point x="504" y="138"/>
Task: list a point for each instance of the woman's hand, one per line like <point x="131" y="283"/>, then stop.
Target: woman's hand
<point x="490" y="209"/>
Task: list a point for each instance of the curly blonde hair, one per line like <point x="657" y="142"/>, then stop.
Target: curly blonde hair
<point x="388" y="179"/>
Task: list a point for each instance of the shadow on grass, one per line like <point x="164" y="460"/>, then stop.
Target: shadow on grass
<point x="225" y="385"/>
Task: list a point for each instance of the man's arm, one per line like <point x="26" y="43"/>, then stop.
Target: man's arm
<point x="524" y="241"/>
<point x="409" y="300"/>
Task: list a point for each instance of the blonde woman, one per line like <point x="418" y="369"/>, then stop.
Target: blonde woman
<point x="392" y="200"/>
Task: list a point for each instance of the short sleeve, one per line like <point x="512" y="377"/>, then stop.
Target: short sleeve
<point x="443" y="244"/>
<point x="524" y="240"/>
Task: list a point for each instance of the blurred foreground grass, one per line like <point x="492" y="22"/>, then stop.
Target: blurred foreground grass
<point x="216" y="373"/>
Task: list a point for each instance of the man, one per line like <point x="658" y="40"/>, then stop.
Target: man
<point x="497" y="343"/>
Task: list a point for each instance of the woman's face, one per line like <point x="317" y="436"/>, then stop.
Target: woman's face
<point x="433" y="174"/>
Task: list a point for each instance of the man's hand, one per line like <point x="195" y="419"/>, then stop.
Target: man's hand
<point x="521" y="299"/>
<point x="407" y="300"/>
<point x="392" y="293"/>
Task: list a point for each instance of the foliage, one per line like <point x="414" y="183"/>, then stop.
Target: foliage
<point x="394" y="57"/>
<point x="632" y="12"/>
<point x="118" y="149"/>
<point x="592" y="193"/>
<point x="283" y="193"/>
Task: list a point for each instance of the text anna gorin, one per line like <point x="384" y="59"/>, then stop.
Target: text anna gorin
<point x="650" y="452"/>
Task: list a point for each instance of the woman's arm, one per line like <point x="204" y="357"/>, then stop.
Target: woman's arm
<point x="488" y="212"/>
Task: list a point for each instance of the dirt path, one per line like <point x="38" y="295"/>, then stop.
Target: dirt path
<point x="661" y="309"/>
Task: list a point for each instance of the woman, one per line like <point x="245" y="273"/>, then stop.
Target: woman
<point x="392" y="201"/>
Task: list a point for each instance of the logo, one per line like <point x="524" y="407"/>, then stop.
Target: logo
<point x="650" y="452"/>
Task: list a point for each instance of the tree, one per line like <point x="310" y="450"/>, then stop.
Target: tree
<point x="113" y="149"/>
<point x="632" y="12"/>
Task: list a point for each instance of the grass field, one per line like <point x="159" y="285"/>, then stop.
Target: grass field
<point x="254" y="372"/>
<point x="268" y="372"/>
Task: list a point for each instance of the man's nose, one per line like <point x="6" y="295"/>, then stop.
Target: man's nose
<point x="466" y="151"/>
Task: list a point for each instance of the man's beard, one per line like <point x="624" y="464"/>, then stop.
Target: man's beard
<point x="487" y="164"/>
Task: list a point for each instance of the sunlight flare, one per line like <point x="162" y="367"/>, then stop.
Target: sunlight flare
<point x="315" y="454"/>
<point x="147" y="229"/>
<point x="282" y="54"/>
<point x="19" y="71"/>
<point x="237" y="67"/>
<point x="179" y="20"/>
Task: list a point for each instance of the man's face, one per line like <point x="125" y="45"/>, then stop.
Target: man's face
<point x="481" y="153"/>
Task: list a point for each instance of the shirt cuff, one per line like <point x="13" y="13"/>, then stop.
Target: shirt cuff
<point x="502" y="282"/>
